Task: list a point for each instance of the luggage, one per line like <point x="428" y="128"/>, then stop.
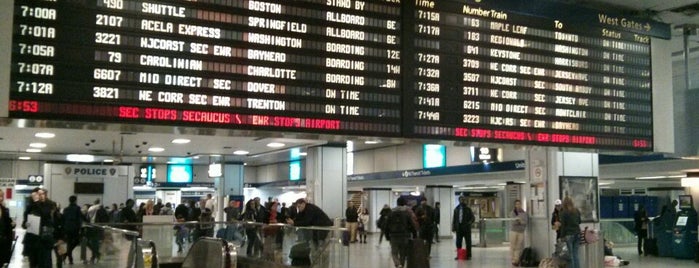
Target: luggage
<point x="650" y="247"/>
<point x="416" y="256"/>
<point x="461" y="254"/>
<point x="300" y="254"/>
<point x="527" y="258"/>
<point x="552" y="263"/>
<point x="345" y="238"/>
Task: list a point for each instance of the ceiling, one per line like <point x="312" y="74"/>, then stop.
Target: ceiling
<point x="130" y="143"/>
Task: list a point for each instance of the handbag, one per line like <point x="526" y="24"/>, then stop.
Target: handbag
<point x="562" y="250"/>
<point x="589" y="236"/>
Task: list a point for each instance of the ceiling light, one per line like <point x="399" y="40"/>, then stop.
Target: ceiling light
<point x="275" y="145"/>
<point x="44" y="135"/>
<point x="37" y="145"/>
<point x="690" y="182"/>
<point x="156" y="149"/>
<point x="195" y="157"/>
<point x="181" y="141"/>
<point x="241" y="152"/>
<point x="33" y="150"/>
<point x="80" y="158"/>
<point x="108" y="160"/>
<point x="372" y="142"/>
<point x="651" y="178"/>
<point x="303" y="154"/>
<point x="24" y="158"/>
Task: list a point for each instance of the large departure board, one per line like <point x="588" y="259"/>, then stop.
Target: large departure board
<point x="330" y="66"/>
<point x="501" y="71"/>
<point x="489" y="71"/>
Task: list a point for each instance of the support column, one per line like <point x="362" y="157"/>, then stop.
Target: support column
<point x="544" y="169"/>
<point x="326" y="178"/>
<point x="230" y="184"/>
<point x="377" y="197"/>
<point x="444" y="194"/>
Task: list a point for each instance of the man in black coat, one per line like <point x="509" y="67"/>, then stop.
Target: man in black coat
<point x="461" y="225"/>
<point x="311" y="215"/>
<point x="72" y="223"/>
<point x="6" y="232"/>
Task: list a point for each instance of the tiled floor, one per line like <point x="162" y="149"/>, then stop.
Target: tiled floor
<point x="443" y="253"/>
<point x="372" y="255"/>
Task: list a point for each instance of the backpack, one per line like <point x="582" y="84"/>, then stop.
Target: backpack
<point x="398" y="222"/>
<point x="527" y="258"/>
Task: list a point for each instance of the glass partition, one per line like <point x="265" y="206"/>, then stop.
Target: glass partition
<point x="494" y="232"/>
<point x="620" y="231"/>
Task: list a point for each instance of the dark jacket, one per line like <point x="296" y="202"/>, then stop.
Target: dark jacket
<point x="128" y="216"/>
<point x="639" y="218"/>
<point x="6" y="224"/>
<point x="570" y="222"/>
<point x="555" y="217"/>
<point x="72" y="219"/>
<point x="466" y="221"/>
<point x="312" y="215"/>
<point x="351" y="214"/>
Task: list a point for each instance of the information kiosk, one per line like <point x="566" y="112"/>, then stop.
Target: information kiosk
<point x="685" y="235"/>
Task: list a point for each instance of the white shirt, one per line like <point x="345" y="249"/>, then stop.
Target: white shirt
<point x="92" y="212"/>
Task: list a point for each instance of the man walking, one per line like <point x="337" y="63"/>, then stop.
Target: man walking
<point x="401" y="224"/>
<point x="461" y="225"/>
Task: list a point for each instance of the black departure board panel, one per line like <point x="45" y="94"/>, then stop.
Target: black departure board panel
<point x="330" y="66"/>
<point x="505" y="71"/>
<point x="489" y="71"/>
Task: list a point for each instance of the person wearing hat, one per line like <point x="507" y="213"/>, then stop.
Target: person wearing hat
<point x="555" y="219"/>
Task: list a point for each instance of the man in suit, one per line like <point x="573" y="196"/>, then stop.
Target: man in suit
<point x="6" y="232"/>
<point x="461" y="225"/>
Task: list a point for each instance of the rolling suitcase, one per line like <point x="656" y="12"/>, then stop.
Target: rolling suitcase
<point x="650" y="246"/>
<point x="416" y="256"/>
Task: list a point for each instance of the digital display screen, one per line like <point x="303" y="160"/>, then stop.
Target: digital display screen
<point x="520" y="72"/>
<point x="180" y="173"/>
<point x="311" y="65"/>
<point x="434" y="156"/>
<point x="505" y="71"/>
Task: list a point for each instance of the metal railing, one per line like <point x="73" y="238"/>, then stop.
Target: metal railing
<point x="264" y="245"/>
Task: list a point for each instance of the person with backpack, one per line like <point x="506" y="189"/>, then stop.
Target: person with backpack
<point x="519" y="225"/>
<point x="461" y="225"/>
<point x="424" y="214"/>
<point x="401" y="226"/>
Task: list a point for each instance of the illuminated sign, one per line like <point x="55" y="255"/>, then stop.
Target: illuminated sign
<point x="497" y="71"/>
<point x="295" y="170"/>
<point x="180" y="173"/>
<point x="312" y="65"/>
<point x="544" y="73"/>
<point x="434" y="156"/>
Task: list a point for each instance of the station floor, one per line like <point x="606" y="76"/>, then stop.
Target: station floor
<point x="373" y="255"/>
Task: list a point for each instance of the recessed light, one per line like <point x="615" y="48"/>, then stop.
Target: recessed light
<point x="372" y="142"/>
<point x="303" y="154"/>
<point x="215" y="155"/>
<point x="275" y="144"/>
<point x="80" y="157"/>
<point x="33" y="150"/>
<point x="241" y="152"/>
<point x="37" y="145"/>
<point x="181" y="141"/>
<point x="156" y="149"/>
<point x="108" y="160"/>
<point x="25" y="158"/>
<point x="44" y="135"/>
